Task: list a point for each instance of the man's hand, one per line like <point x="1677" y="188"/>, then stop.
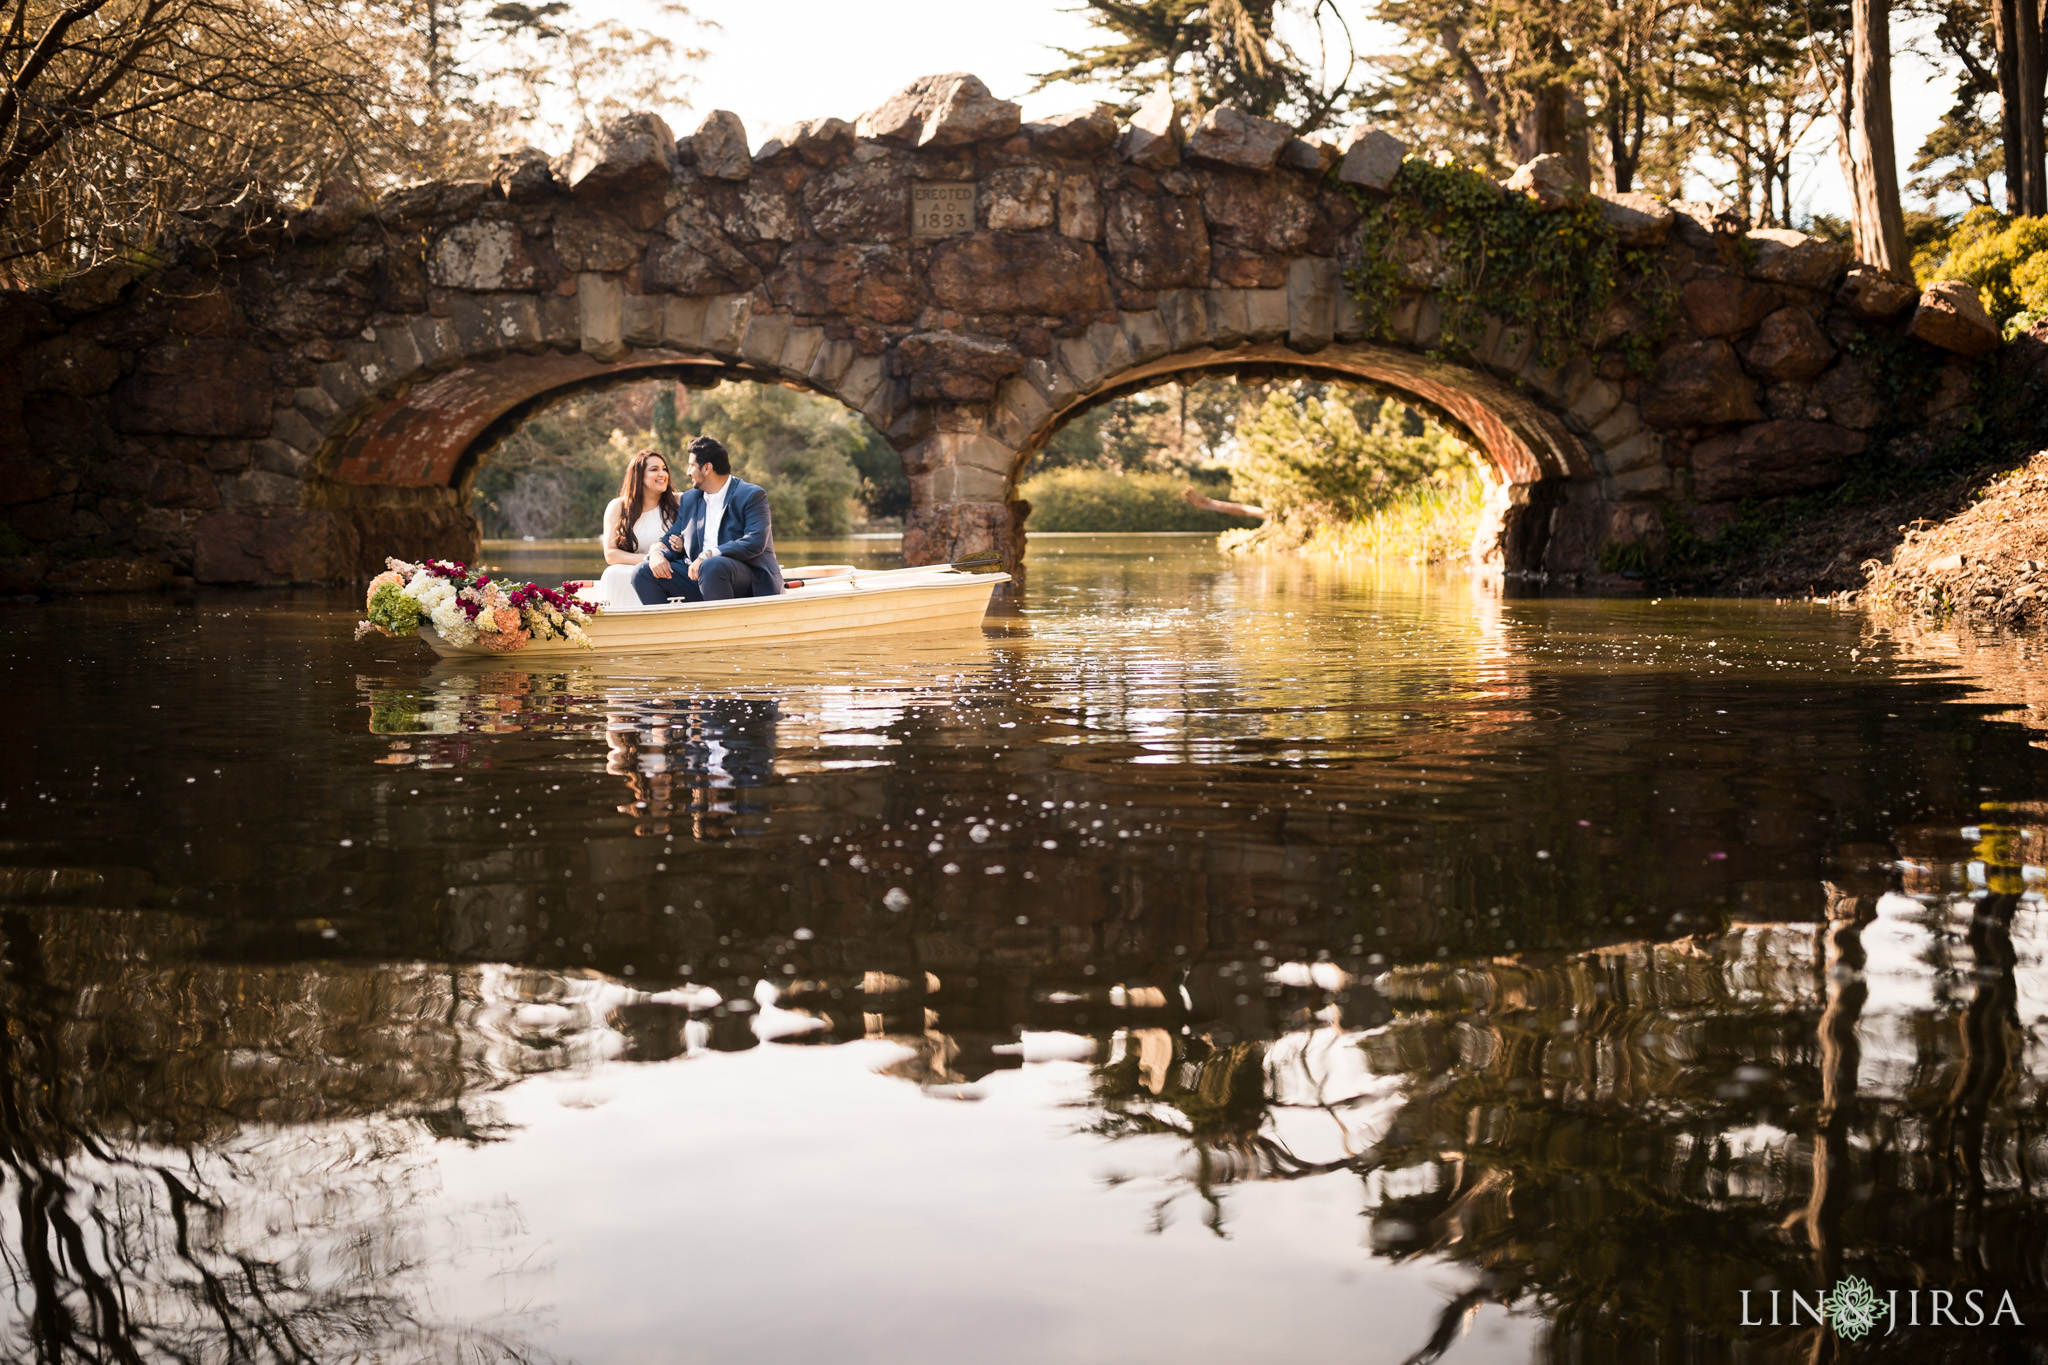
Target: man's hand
<point x="658" y="565"/>
<point x="695" y="562"/>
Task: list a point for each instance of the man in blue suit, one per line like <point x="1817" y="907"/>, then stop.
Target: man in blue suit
<point x="721" y="544"/>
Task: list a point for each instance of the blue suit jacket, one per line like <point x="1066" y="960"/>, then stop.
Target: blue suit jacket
<point x="745" y="533"/>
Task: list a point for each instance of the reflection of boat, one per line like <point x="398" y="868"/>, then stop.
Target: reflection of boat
<point x="835" y="602"/>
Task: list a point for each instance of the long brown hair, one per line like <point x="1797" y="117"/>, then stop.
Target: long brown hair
<point x="632" y="488"/>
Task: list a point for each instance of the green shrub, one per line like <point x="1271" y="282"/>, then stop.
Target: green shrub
<point x="2005" y="258"/>
<point x="1107" y="500"/>
<point x="1314" y="462"/>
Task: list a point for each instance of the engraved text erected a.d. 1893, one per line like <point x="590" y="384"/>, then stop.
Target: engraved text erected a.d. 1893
<point x="941" y="208"/>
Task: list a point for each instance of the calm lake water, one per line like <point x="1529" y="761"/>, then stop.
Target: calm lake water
<point x="1208" y="960"/>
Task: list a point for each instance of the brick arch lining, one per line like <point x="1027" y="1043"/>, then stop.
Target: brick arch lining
<point x="1521" y="440"/>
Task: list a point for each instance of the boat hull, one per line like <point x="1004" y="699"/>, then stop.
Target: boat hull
<point x="831" y="610"/>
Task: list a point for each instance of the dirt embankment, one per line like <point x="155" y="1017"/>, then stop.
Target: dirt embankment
<point x="1985" y="560"/>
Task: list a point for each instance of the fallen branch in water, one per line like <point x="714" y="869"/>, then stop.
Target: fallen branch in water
<point x="1229" y="509"/>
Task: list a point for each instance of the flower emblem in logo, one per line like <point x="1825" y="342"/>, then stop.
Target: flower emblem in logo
<point x="1853" y="1307"/>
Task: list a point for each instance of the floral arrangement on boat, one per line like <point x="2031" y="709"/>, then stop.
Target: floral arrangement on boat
<point x="466" y="607"/>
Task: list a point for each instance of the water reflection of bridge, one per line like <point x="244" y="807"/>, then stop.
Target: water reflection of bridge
<point x="1624" y="1137"/>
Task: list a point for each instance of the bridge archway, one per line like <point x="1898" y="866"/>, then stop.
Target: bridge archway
<point x="1527" y="450"/>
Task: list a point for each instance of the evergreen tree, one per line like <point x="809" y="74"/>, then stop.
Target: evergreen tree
<point x="1212" y="52"/>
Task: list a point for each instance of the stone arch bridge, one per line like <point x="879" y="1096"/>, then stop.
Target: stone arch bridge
<point x="287" y="396"/>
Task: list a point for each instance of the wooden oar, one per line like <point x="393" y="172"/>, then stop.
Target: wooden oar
<point x="857" y="575"/>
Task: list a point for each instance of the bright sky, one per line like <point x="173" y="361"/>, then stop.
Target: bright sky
<point x="775" y="61"/>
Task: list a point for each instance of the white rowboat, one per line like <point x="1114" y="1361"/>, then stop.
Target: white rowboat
<point x="834" y="602"/>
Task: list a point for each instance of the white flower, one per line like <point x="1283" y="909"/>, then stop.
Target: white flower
<point x="453" y="623"/>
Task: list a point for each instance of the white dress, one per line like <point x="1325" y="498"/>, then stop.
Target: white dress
<point x="617" y="583"/>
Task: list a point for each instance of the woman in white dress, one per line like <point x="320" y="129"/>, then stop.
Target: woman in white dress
<point x="633" y="522"/>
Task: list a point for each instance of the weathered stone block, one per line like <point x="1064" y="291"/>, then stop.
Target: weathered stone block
<point x="766" y="335"/>
<point x="1637" y="219"/>
<point x="1952" y="317"/>
<point x="276" y="457"/>
<point x="1185" y="314"/>
<point x="864" y="201"/>
<point x="640" y="320"/>
<point x="273" y="545"/>
<point x="435" y="340"/>
<point x="401" y="353"/>
<point x="1265" y="314"/>
<point x="1623" y="422"/>
<point x="1699" y="383"/>
<point x="482" y="256"/>
<point x="1051" y="380"/>
<point x="1230" y="138"/>
<point x="523" y="175"/>
<point x="1788" y="344"/>
<point x="828" y="367"/>
<point x="1157" y="241"/>
<point x="261" y="488"/>
<point x="290" y="426"/>
<point x="560" y="324"/>
<point x="719" y="147"/>
<point x="71" y="365"/>
<point x="1018" y="198"/>
<point x="1312" y="290"/>
<point x="1636" y="483"/>
<point x="863" y="380"/>
<point x="1871" y="295"/>
<point x="1722" y="305"/>
<point x="515" y="318"/>
<point x="173" y="483"/>
<point x="600" y="315"/>
<point x="1635" y="451"/>
<point x="1153" y="139"/>
<point x="592" y="240"/>
<point x="1312" y="155"/>
<point x="1547" y="182"/>
<point x="1846" y="397"/>
<point x="1043" y="274"/>
<point x="799" y="349"/>
<point x="318" y="405"/>
<point x="625" y="155"/>
<point x="1079" y="133"/>
<point x="1783" y="256"/>
<point x="819" y="141"/>
<point x="1772" y="458"/>
<point x="950" y="110"/>
<point x="211" y="387"/>
<point x="1080" y="208"/>
<point x="1594" y="403"/>
<point x="725" y="319"/>
<point x="1145" y="334"/>
<point x="1371" y="158"/>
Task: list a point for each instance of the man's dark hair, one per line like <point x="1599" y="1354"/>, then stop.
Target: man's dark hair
<point x="705" y="450"/>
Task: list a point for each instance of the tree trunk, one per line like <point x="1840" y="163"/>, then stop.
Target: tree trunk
<point x="2016" y="30"/>
<point x="1869" y="162"/>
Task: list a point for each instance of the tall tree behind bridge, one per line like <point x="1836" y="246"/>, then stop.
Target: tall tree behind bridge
<point x="1751" y="90"/>
<point x="2019" y="32"/>
<point x="1213" y="52"/>
<point x="1965" y="149"/>
<point x="111" y="111"/>
<point x="1864" y="145"/>
<point x="114" y="114"/>
<point x="1593" y="81"/>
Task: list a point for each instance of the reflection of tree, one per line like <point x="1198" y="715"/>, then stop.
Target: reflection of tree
<point x="1626" y="1139"/>
<point x="148" y="1219"/>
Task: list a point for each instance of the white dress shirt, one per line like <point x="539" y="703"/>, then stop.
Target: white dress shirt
<point x="714" y="513"/>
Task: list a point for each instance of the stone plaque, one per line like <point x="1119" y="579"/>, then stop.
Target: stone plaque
<point x="941" y="208"/>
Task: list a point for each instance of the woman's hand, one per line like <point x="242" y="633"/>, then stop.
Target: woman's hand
<point x="658" y="565"/>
